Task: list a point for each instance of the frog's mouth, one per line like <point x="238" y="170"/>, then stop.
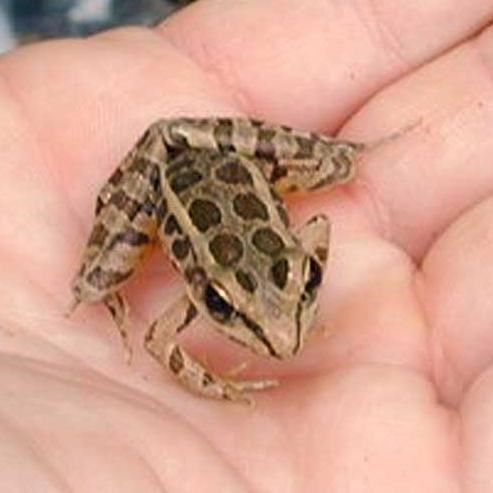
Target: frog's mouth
<point x="221" y="309"/>
<point x="259" y="333"/>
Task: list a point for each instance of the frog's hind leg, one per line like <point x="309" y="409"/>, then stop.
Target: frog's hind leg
<point x="126" y="218"/>
<point x="161" y="344"/>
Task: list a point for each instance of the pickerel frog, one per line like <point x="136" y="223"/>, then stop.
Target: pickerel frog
<point x="208" y="191"/>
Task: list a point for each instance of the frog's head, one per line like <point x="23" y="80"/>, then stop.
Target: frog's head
<point x="271" y="314"/>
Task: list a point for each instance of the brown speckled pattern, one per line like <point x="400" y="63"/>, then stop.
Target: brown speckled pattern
<point x="208" y="190"/>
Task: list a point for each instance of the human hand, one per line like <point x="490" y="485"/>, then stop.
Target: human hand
<point x="398" y="395"/>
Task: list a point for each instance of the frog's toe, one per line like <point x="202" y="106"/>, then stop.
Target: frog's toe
<point x="254" y="385"/>
<point x="238" y="391"/>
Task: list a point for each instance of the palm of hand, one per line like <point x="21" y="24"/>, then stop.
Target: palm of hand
<point x="399" y="389"/>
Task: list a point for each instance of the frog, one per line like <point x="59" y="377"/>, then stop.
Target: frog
<point x="209" y="191"/>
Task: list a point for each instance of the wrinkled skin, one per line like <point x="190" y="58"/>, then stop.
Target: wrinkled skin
<point x="397" y="393"/>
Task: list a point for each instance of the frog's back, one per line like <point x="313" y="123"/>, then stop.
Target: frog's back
<point x="222" y="217"/>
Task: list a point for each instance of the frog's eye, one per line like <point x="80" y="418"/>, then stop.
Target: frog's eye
<point x="314" y="278"/>
<point x="217" y="301"/>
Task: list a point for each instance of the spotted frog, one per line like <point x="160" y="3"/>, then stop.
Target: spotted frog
<point x="208" y="191"/>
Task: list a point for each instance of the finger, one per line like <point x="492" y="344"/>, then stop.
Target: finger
<point x="415" y="186"/>
<point x="389" y="413"/>
<point x="369" y="308"/>
<point x="477" y="435"/>
<point x="312" y="63"/>
<point x="455" y="289"/>
<point x="70" y="111"/>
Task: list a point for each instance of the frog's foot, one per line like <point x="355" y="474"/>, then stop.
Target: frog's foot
<point x="118" y="308"/>
<point x="199" y="379"/>
<point x="240" y="389"/>
<point x="190" y="372"/>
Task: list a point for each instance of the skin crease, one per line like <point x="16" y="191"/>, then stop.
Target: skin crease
<point x="397" y="392"/>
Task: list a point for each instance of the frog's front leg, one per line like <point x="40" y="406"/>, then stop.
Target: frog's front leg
<point x="161" y="344"/>
<point x="314" y="236"/>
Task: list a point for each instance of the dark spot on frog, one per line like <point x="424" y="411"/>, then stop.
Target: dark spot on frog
<point x="196" y="276"/>
<point x="98" y="235"/>
<point x="234" y="173"/>
<point x="126" y="204"/>
<point x="171" y="226"/>
<point x="181" y="248"/>
<point x="265" y="147"/>
<point x="223" y="134"/>
<point x="129" y="236"/>
<point x="162" y="210"/>
<point x="204" y="214"/>
<point x="207" y="379"/>
<point x="283" y="215"/>
<point x="248" y="206"/>
<point x="267" y="241"/>
<point x="246" y="280"/>
<point x="116" y="177"/>
<point x="305" y="148"/>
<point x="183" y="181"/>
<point x="176" y="362"/>
<point x="278" y="172"/>
<point x="103" y="279"/>
<point x="227" y="249"/>
<point x="281" y="210"/>
<point x="279" y="272"/>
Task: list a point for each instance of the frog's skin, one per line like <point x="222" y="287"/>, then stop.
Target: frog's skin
<point x="208" y="191"/>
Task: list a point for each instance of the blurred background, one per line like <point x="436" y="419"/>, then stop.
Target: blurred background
<point x="23" y="21"/>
